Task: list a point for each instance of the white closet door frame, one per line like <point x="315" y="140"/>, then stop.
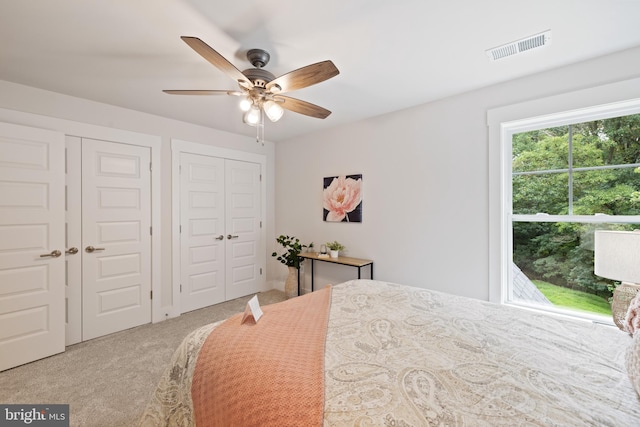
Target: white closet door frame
<point x="178" y="147"/>
<point x="159" y="311"/>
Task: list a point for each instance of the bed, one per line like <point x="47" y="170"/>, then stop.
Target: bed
<point x="395" y="355"/>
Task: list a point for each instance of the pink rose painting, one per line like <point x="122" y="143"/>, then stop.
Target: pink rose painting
<point x="342" y="198"/>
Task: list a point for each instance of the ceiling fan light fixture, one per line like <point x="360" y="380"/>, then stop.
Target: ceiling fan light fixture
<point x="273" y="110"/>
<point x="245" y="104"/>
<point x="252" y="117"/>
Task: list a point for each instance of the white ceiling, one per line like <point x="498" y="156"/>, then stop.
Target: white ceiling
<point x="391" y="54"/>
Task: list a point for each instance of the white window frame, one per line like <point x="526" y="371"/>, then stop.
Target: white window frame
<point x="613" y="100"/>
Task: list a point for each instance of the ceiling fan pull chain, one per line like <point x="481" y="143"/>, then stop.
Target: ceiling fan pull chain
<point x="260" y="128"/>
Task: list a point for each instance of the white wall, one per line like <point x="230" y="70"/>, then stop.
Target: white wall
<point x="425" y="175"/>
<point x="425" y="182"/>
<point x="19" y="104"/>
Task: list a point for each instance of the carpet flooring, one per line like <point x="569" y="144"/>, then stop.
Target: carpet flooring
<point x="108" y="381"/>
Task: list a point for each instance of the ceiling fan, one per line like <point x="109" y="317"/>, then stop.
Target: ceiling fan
<point x="260" y="90"/>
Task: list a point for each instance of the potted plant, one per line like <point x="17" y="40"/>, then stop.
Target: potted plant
<point x="334" y="248"/>
<point x="290" y="258"/>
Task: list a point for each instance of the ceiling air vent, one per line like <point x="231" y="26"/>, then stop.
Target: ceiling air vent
<point x="520" y="46"/>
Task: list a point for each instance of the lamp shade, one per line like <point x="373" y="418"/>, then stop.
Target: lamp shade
<point x="252" y="116"/>
<point x="617" y="255"/>
<point x="245" y="104"/>
<point x="273" y="110"/>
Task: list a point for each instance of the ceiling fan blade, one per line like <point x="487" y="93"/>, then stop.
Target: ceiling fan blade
<point x="302" y="107"/>
<point x="217" y="60"/>
<point x="203" y="92"/>
<point x="303" y="77"/>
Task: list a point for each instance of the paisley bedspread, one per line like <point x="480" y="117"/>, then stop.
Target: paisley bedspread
<point x="404" y="356"/>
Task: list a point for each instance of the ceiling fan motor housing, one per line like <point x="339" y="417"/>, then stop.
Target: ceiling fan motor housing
<point x="258" y="76"/>
<point x="258" y="58"/>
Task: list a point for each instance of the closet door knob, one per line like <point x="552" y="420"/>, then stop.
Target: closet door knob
<point x="92" y="249"/>
<point x="55" y="254"/>
<point x="71" y="251"/>
<point x="220" y="237"/>
<point x="229" y="236"/>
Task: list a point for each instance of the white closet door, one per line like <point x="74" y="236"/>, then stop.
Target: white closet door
<point x="31" y="244"/>
<point x="243" y="210"/>
<point x="116" y="225"/>
<point x="202" y="237"/>
<point x="73" y="240"/>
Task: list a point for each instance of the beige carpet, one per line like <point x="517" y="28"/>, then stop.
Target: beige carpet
<point x="108" y="381"/>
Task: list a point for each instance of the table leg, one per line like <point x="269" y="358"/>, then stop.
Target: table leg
<point x="312" y="275"/>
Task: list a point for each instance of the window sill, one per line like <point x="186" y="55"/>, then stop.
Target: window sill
<point x="600" y="319"/>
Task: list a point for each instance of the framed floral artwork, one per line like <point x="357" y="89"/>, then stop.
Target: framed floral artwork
<point x="342" y="198"/>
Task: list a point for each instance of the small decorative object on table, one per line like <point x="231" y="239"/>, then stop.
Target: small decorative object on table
<point x="290" y="259"/>
<point x="334" y="248"/>
<point x="323" y="252"/>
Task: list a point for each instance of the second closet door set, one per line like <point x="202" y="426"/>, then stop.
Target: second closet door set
<point x="220" y="209"/>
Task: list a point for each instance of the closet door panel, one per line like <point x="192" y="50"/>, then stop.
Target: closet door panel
<point x="73" y="240"/>
<point x="202" y="237"/>
<point x="116" y="234"/>
<point x="31" y="244"/>
<point x="243" y="216"/>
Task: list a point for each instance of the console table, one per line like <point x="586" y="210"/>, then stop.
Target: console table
<point x="343" y="260"/>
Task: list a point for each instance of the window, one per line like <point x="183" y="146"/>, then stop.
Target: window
<point x="570" y="174"/>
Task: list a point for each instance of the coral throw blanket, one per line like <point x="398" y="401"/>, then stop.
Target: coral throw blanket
<point x="269" y="373"/>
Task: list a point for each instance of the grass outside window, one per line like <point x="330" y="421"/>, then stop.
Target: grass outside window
<point x="572" y="299"/>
